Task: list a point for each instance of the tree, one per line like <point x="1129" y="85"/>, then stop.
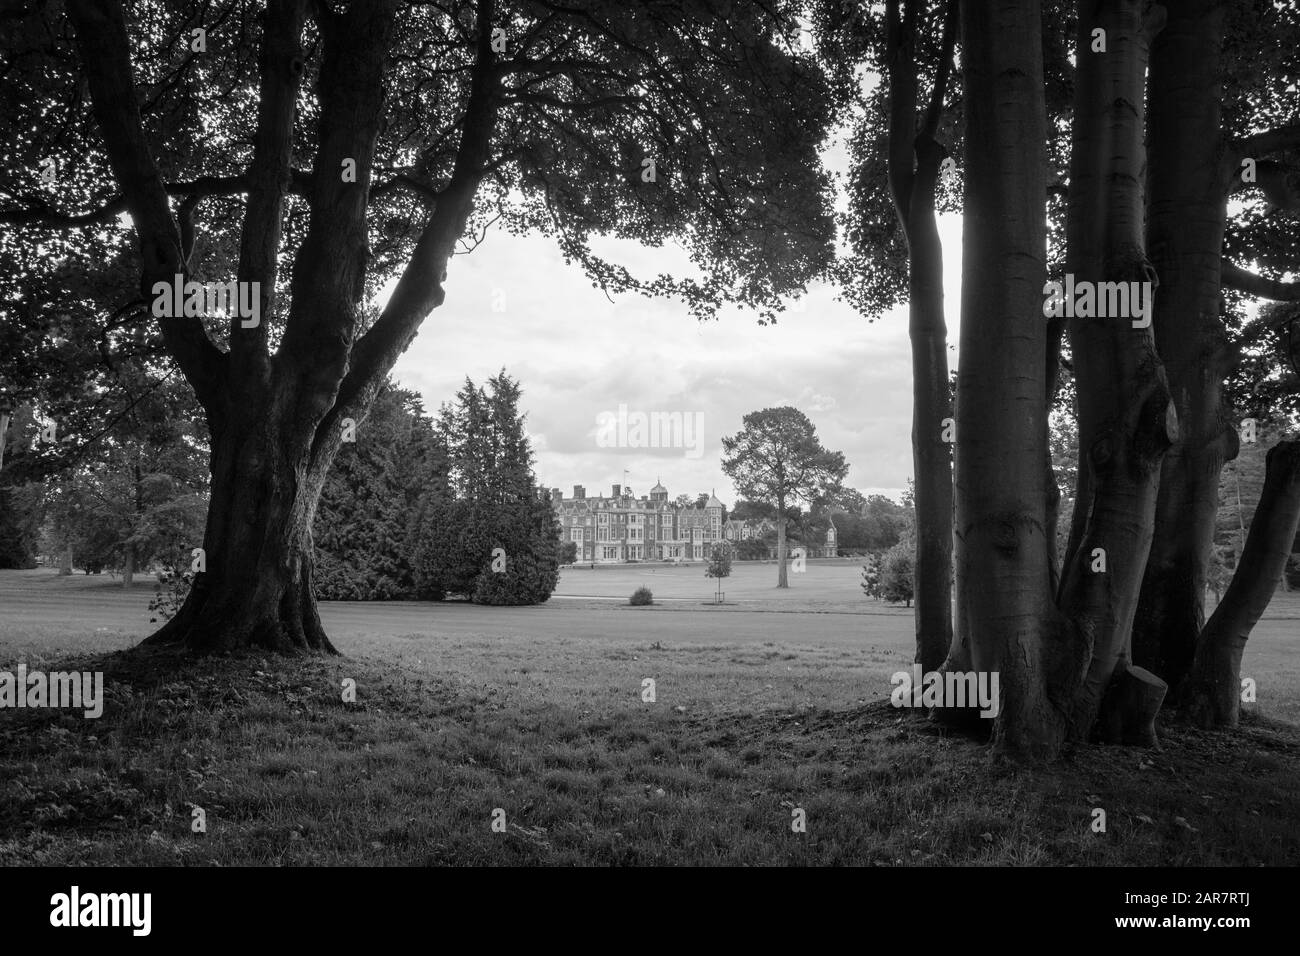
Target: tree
<point x="366" y="527"/>
<point x="417" y="128"/>
<point x="898" y="573"/>
<point x="896" y="180"/>
<point x="719" y="566"/>
<point x="915" y="156"/>
<point x="749" y="510"/>
<point x="494" y="540"/>
<point x="888" y="522"/>
<point x="1214" y="133"/>
<point x="1215" y="687"/>
<point x="20" y="504"/>
<point x="133" y="493"/>
<point x="755" y="549"/>
<point x="1126" y="414"/>
<point x="871" y="576"/>
<point x="1000" y="559"/>
<point x="776" y="458"/>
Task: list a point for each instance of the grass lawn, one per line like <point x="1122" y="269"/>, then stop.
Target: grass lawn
<point x="538" y="712"/>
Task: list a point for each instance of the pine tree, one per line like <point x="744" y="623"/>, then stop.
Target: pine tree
<point x="365" y="527"/>
<point x="493" y="539"/>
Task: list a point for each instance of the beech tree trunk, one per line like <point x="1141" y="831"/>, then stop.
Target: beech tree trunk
<point x="1213" y="695"/>
<point x="1126" y="417"/>
<point x="255" y="586"/>
<point x="276" y="419"/>
<point x="913" y="191"/>
<point x="1186" y="214"/>
<point x="1006" y="621"/>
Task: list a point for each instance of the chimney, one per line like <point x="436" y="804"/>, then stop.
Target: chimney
<point x="579" y="492"/>
<point x="617" y="490"/>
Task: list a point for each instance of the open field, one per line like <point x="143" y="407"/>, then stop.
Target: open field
<point x="850" y="643"/>
<point x="461" y="710"/>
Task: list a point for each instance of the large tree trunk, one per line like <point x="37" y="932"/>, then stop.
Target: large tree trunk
<point x="1126" y="418"/>
<point x="66" y="566"/>
<point x="1185" y="223"/>
<point x="1006" y="620"/>
<point x="275" y="419"/>
<point x="931" y="455"/>
<point x="255" y="587"/>
<point x="128" y="567"/>
<point x="1213" y="694"/>
<point x="913" y="193"/>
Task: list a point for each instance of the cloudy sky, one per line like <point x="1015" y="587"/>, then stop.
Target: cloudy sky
<point x="513" y="303"/>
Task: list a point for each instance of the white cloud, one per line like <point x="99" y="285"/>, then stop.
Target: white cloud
<point x="578" y="354"/>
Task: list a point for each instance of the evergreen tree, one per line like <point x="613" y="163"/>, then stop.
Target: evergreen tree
<point x="494" y="540"/>
<point x="367" y="522"/>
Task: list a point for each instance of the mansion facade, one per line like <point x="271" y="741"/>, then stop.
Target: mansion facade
<point x="621" y="527"/>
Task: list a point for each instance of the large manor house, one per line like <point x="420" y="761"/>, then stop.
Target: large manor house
<point x="623" y="527"/>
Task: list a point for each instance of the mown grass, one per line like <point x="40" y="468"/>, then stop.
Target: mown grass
<point x="587" y="773"/>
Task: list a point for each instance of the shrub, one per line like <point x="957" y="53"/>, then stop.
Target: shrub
<point x="169" y="594"/>
<point x="527" y="579"/>
<point x="641" y="596"/>
<point x="897" y="572"/>
<point x="871" y="575"/>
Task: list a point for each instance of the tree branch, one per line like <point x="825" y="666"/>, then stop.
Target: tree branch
<point x="935" y="110"/>
<point x="1235" y="277"/>
<point x="102" y="43"/>
<point x="1214" y="685"/>
<point x="41" y="213"/>
<point x="269" y="178"/>
<point x="1270" y="141"/>
<point x="420" y="291"/>
<point x="330" y="267"/>
<point x="902" y="104"/>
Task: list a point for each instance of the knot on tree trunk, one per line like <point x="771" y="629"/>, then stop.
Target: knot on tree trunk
<point x="1158" y="427"/>
<point x="1128" y="262"/>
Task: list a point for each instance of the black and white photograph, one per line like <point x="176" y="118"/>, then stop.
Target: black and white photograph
<point x="575" y="434"/>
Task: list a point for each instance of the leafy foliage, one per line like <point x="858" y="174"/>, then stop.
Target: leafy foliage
<point x="486" y="499"/>
<point x="897" y="572"/>
<point x="367" y="521"/>
<point x="777" y="459"/>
